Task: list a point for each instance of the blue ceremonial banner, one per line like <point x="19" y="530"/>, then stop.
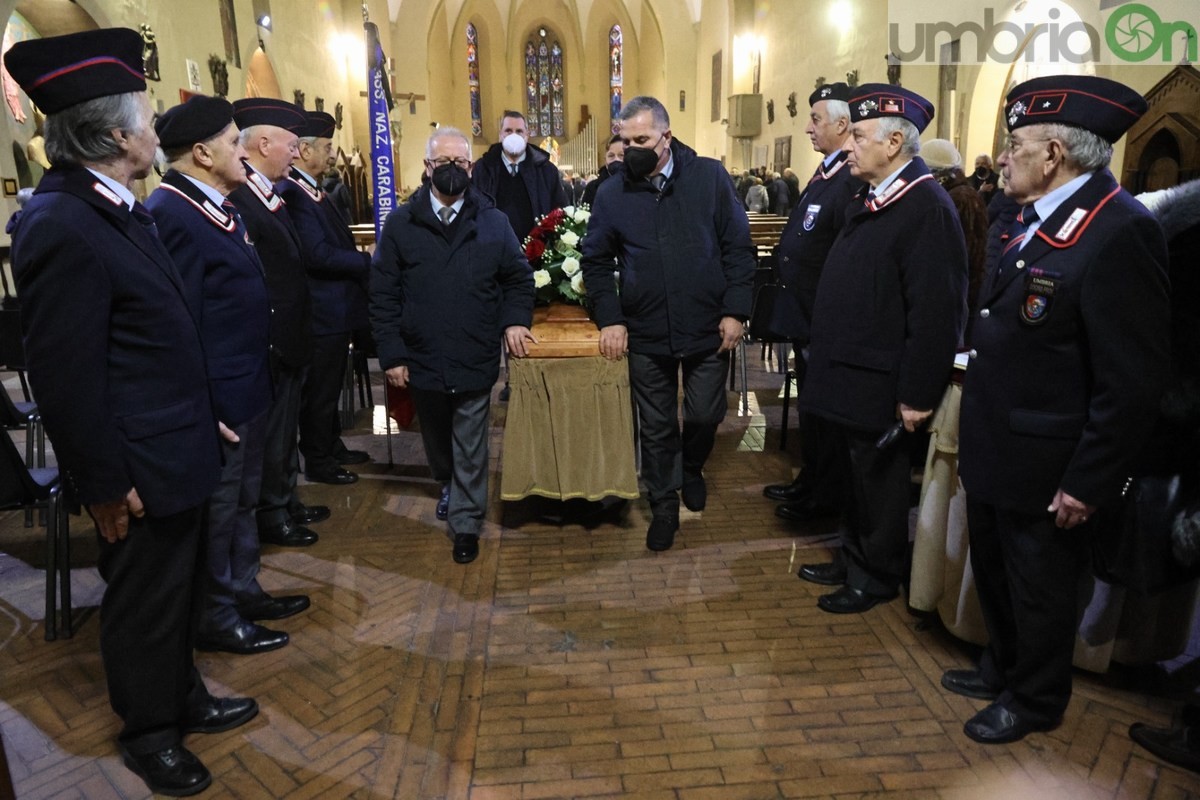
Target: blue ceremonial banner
<point x="380" y="99"/>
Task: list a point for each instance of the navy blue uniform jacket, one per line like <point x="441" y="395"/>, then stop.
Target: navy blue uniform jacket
<point x="440" y="306"/>
<point x="1070" y="355"/>
<point x="684" y="256"/>
<point x="890" y="306"/>
<point x="335" y="267"/>
<point x="278" y="247"/>
<point x="114" y="355"/>
<point x="226" y="291"/>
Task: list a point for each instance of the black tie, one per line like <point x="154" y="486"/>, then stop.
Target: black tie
<point x="232" y="211"/>
<point x="1016" y="236"/>
<point x="145" y="218"/>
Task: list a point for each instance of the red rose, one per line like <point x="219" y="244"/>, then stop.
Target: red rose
<point x="534" y="248"/>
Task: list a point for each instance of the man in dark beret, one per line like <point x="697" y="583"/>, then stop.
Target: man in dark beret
<point x="268" y="135"/>
<point x="337" y="271"/>
<point x="225" y="287"/>
<point x="118" y="367"/>
<point x="1069" y="353"/>
<point x="887" y="319"/>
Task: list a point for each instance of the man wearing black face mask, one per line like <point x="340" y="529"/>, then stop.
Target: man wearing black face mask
<point x="682" y="245"/>
<point x="447" y="260"/>
<point x="613" y="164"/>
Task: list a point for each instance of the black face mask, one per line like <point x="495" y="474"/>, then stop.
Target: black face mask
<point x="450" y="179"/>
<point x="612" y="168"/>
<point x="640" y="161"/>
<point x="981" y="172"/>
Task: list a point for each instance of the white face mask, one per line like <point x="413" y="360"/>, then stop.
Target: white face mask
<point x="513" y="144"/>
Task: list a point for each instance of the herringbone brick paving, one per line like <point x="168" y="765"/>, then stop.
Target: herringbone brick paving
<point x="567" y="662"/>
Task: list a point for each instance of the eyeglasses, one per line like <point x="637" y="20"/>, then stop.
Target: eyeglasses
<point x="458" y="162"/>
<point x="1013" y="145"/>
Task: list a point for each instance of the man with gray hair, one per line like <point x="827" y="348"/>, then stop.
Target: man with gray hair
<point x="886" y="321"/>
<point x="448" y="280"/>
<point x="681" y="242"/>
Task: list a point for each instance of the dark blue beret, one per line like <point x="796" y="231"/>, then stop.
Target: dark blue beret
<point x="197" y="120"/>
<point x="875" y="100"/>
<point x="62" y="71"/>
<point x="319" y="125"/>
<point x="829" y="91"/>
<point x="1104" y="107"/>
<point x="268" y="111"/>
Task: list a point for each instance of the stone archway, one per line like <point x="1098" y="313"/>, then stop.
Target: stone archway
<point x="260" y="77"/>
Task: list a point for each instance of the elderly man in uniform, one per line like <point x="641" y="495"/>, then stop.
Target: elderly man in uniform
<point x="682" y="246"/>
<point x="1069" y="356"/>
<point x="118" y="367"/>
<point x="803" y="247"/>
<point x="268" y="135"/>
<point x="448" y="280"/>
<point x="886" y="322"/>
<point x="225" y="288"/>
<point x="336" y="273"/>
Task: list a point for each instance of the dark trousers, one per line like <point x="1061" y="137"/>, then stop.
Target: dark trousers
<point x="822" y="470"/>
<point x="1027" y="574"/>
<point x="875" y="537"/>
<point x="231" y="539"/>
<point x="281" y="463"/>
<point x="667" y="451"/>
<point x="147" y="626"/>
<point x="454" y="428"/>
<point x="320" y="430"/>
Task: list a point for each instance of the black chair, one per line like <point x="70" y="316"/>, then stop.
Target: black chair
<point x="41" y="488"/>
<point x="12" y="347"/>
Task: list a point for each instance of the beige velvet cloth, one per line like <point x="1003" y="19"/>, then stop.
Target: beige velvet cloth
<point x="1116" y="624"/>
<point x="569" y="432"/>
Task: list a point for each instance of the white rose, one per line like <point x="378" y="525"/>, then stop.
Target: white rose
<point x="577" y="283"/>
<point x="582" y="215"/>
<point x="569" y="238"/>
<point x="569" y="210"/>
<point x="541" y="278"/>
<point x="570" y="265"/>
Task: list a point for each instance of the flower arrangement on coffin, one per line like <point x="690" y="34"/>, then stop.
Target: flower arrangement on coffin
<point x="552" y="248"/>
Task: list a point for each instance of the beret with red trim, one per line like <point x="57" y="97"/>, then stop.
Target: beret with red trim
<point x="875" y="100"/>
<point x="62" y="71"/>
<point x="253" y="111"/>
<point x="319" y="125"/>
<point x="829" y="91"/>
<point x="197" y="120"/>
<point x="1104" y="107"/>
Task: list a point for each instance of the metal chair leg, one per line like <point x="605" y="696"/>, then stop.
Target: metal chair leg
<point x="788" y="375"/>
<point x="52" y="575"/>
<point x="741" y="348"/>
<point x="58" y="512"/>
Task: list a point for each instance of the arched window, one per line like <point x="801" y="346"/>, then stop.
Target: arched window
<point x="615" y="70"/>
<point x="473" y="79"/>
<point x="544" y="109"/>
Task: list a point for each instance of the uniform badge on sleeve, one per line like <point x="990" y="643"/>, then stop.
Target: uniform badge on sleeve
<point x="810" y="217"/>
<point x="1039" y="295"/>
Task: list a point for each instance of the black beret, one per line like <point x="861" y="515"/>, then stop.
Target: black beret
<point x="62" y="71"/>
<point x="197" y="120"/>
<point x="875" y="100"/>
<point x="268" y="111"/>
<point x="1104" y="107"/>
<point x="829" y="91"/>
<point x="319" y="125"/>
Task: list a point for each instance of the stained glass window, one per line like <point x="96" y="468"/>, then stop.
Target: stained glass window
<point x="615" y="69"/>
<point x="473" y="79"/>
<point x="545" y="111"/>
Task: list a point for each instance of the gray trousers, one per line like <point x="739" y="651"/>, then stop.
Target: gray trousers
<point x="281" y="463"/>
<point x="454" y="428"/>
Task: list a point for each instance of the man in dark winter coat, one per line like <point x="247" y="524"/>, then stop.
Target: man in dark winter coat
<point x="681" y="242"/>
<point x="519" y="177"/>
<point x="887" y="320"/>
<point x="1069" y="356"/>
<point x="448" y="281"/>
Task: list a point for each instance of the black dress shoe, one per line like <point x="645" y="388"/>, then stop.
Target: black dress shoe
<point x="352" y="457"/>
<point x="220" y="714"/>
<point x="307" y="515"/>
<point x="175" y="771"/>
<point x="289" y="534"/>
<point x="694" y="492"/>
<point x="661" y="534"/>
<point x="848" y="600"/>
<point x="243" y="639"/>
<point x="998" y="725"/>
<point x="968" y="683"/>
<point x="831" y="574"/>
<point x="335" y="475"/>
<point x="804" y="511"/>
<point x="466" y="547"/>
<point x="443" y="506"/>
<point x="268" y="607"/>
<point x="1178" y="746"/>
<point x="794" y="492"/>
